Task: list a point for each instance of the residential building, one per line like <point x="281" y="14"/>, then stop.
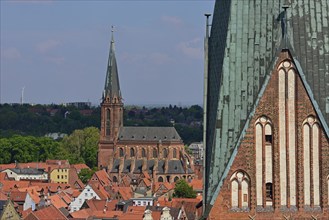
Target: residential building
<point x="8" y="211"/>
<point x="267" y="110"/>
<point x="196" y="150"/>
<point x="132" y="150"/>
<point x="87" y="193"/>
<point x="26" y="174"/>
<point x="59" y="175"/>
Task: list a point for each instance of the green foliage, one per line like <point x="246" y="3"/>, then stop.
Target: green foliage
<point x="183" y="190"/>
<point x="86" y="174"/>
<point x="82" y="145"/>
<point x="27" y="149"/>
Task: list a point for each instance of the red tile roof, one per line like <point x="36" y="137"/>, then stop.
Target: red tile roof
<point x="48" y="213"/>
<point x="100" y="191"/>
<point x="3" y="176"/>
<point x="74" y="179"/>
<point x="57" y="201"/>
<point x="8" y="185"/>
<point x="100" y="205"/>
<point x="17" y="196"/>
<point x="80" y="166"/>
<point x="197" y="184"/>
<point x="33" y="192"/>
<point x="102" y="177"/>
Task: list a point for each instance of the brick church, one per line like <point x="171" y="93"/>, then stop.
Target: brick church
<point x="132" y="151"/>
<point x="267" y="105"/>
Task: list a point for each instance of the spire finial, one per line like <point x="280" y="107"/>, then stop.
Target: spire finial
<point x="112" y="30"/>
<point x="284" y="25"/>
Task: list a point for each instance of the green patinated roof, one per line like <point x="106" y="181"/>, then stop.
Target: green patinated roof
<point x="112" y="86"/>
<point x="244" y="41"/>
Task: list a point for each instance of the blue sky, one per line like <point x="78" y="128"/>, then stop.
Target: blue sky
<point x="58" y="50"/>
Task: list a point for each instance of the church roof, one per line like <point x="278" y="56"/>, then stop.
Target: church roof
<point x="154" y="134"/>
<point x="243" y="46"/>
<point x="112" y="86"/>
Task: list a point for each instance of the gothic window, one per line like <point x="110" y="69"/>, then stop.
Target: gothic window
<point x="143" y="152"/>
<point x="155" y="153"/>
<point x="115" y="179"/>
<point x="311" y="141"/>
<point x="174" y="153"/>
<point x="165" y="153"/>
<point x="160" y="179"/>
<point x="240" y="190"/>
<point x="108" y="122"/>
<point x="269" y="191"/>
<point x="176" y="178"/>
<point x="121" y="153"/>
<point x="264" y="160"/>
<point x="132" y="152"/>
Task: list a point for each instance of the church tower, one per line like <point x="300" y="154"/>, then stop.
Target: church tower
<point x="111" y="111"/>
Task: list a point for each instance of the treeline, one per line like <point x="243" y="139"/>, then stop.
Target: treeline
<point x="79" y="147"/>
<point x="38" y="120"/>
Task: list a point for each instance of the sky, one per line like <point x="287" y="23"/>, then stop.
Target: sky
<point x="56" y="51"/>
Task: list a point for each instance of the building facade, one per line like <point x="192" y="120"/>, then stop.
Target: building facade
<point x="267" y="147"/>
<point x="130" y="151"/>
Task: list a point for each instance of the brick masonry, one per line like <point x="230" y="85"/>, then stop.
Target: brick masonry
<point x="245" y="161"/>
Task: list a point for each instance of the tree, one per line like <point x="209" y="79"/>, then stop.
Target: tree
<point x="86" y="174"/>
<point x="183" y="190"/>
<point x="82" y="146"/>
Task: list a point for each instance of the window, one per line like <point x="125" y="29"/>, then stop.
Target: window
<point x="108" y="116"/>
<point x="268" y="139"/>
<point x="240" y="188"/>
<point x="115" y="179"/>
<point x="164" y="153"/>
<point x="143" y="152"/>
<point x="160" y="179"/>
<point x="121" y="152"/>
<point x="155" y="153"/>
<point x="132" y="152"/>
<point x="269" y="191"/>
<point x="174" y="153"/>
<point x="58" y="177"/>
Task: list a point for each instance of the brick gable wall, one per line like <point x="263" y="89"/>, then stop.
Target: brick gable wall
<point x="246" y="156"/>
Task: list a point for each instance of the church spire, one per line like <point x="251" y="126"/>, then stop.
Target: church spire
<point x="112" y="86"/>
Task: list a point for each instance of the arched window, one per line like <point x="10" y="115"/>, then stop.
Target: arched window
<point x="143" y="152"/>
<point x="160" y="179"/>
<point x="121" y="153"/>
<point x="115" y="179"/>
<point x="264" y="147"/>
<point x="311" y="141"/>
<point x="155" y="153"/>
<point x="108" y="122"/>
<point x="174" y="153"/>
<point x="165" y="153"/>
<point x="240" y="191"/>
<point x="132" y="152"/>
<point x="269" y="191"/>
<point x="176" y="178"/>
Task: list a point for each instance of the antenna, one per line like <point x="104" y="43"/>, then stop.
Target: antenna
<point x="22" y="96"/>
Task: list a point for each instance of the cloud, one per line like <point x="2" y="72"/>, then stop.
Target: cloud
<point x="191" y="48"/>
<point x="45" y="46"/>
<point x="172" y="20"/>
<point x="11" y="53"/>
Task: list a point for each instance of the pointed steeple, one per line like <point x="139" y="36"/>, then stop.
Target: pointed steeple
<point x="112" y="86"/>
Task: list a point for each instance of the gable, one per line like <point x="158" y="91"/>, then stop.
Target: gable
<point x="281" y="143"/>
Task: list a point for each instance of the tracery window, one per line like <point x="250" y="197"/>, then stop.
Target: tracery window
<point x="108" y="122"/>
<point x="143" y="152"/>
<point x="121" y="153"/>
<point x="240" y="190"/>
<point x="311" y="142"/>
<point x="155" y="153"/>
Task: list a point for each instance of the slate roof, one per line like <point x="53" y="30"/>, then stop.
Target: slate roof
<point x="112" y="86"/>
<point x="243" y="45"/>
<point x="154" y="134"/>
<point x="29" y="171"/>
